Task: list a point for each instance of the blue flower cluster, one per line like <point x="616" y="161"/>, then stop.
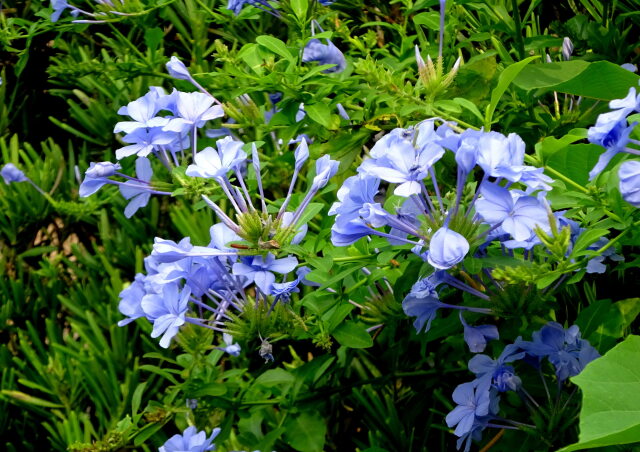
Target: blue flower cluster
<point x="478" y="401"/>
<point x="613" y="132"/>
<point x="443" y="229"/>
<point x="201" y="284"/>
<point x="503" y="208"/>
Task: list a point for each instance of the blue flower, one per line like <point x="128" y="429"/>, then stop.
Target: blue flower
<point x="138" y="194"/>
<point x="564" y="348"/>
<point x="473" y="402"/>
<point x="143" y="111"/>
<point x="210" y="163"/>
<point x="146" y="140"/>
<point x="422" y="302"/>
<point x="447" y="248"/>
<point x="347" y="231"/>
<point x="231" y="348"/>
<point x="518" y="216"/>
<point x="10" y="173"/>
<point x="495" y="372"/>
<point x="400" y="163"/>
<point x="260" y="269"/>
<point x="167" y="311"/>
<point x="611" y="130"/>
<point x="130" y="299"/>
<point x="324" y="54"/>
<point x="476" y="337"/>
<point x="355" y="192"/>
<point x="194" y="110"/>
<point x="102" y="169"/>
<point x="501" y="156"/>
<point x="629" y="174"/>
<point x="96" y="177"/>
<point x="59" y="6"/>
<point x="190" y="441"/>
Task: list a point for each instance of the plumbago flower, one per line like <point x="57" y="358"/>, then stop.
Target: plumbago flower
<point x="478" y="401"/>
<point x="162" y="126"/>
<point x="503" y="213"/>
<point x="191" y="440"/>
<point x="612" y="131"/>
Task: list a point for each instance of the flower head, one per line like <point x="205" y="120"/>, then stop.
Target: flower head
<point x="190" y="441"/>
<point x="327" y="53"/>
<point x="10" y="173"/>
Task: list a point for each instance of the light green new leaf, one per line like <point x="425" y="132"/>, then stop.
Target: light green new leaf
<point x="275" y="45"/>
<point x="610" y="386"/>
<point x="300" y="7"/>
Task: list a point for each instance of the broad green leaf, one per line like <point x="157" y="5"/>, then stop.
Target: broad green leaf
<point x="601" y="80"/>
<point x="274" y="377"/>
<point x="430" y="19"/>
<point x="275" y="45"/>
<point x="306" y="432"/>
<point x="210" y="389"/>
<point x="504" y="80"/>
<point x="575" y="161"/>
<point x="610" y="413"/>
<point x="353" y="335"/>
<point x="465" y="103"/>
<point x="545" y="75"/>
<point x="153" y="37"/>
<point x="550" y="145"/>
<point x="320" y="113"/>
<point x="602" y="323"/>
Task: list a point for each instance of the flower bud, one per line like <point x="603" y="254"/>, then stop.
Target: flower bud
<point x="177" y="69"/>
<point x="447" y="248"/>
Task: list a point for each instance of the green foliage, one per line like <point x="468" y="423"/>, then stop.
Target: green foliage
<point x="610" y="387"/>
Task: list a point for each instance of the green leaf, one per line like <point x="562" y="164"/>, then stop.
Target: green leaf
<point x="504" y="80"/>
<point x="546" y="75"/>
<point x="575" y="161"/>
<point x="137" y="398"/>
<point x="26" y="398"/>
<point x="276" y="46"/>
<point x="153" y="37"/>
<point x="275" y="377"/>
<point x="586" y="239"/>
<point x="306" y="432"/>
<point x="210" y="389"/>
<point x="353" y="335"/>
<point x="550" y="145"/>
<point x="299" y="8"/>
<point x="602" y="323"/>
<point x="320" y="113"/>
<point x="610" y="413"/>
<point x="430" y="19"/>
<point x="311" y="211"/>
<point x="601" y="80"/>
